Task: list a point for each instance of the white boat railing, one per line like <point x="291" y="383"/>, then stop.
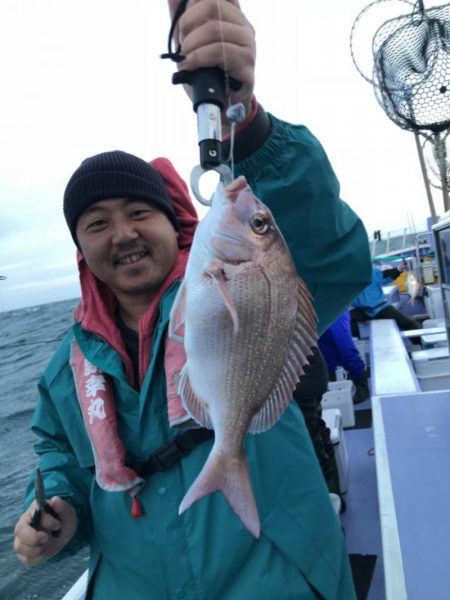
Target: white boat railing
<point x="78" y="590"/>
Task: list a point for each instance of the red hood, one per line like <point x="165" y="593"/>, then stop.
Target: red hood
<point x="97" y="307"/>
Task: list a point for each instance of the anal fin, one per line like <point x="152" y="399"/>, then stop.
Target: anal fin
<point x="196" y="409"/>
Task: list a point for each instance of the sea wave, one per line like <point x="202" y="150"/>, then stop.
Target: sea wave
<point x="25" y="349"/>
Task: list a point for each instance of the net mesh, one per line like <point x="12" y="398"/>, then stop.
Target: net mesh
<point x="411" y="69"/>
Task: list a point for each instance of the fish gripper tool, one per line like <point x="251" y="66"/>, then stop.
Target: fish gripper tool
<point x="208" y="99"/>
<point x="210" y="88"/>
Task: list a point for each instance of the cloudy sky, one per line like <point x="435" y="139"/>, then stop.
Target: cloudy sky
<point x="81" y="77"/>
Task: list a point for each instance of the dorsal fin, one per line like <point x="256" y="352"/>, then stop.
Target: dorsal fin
<point x="304" y="338"/>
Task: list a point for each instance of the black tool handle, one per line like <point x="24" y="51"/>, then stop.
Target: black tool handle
<point x="52" y="512"/>
<point x="35" y="522"/>
<point x="208" y="85"/>
<point x="208" y="88"/>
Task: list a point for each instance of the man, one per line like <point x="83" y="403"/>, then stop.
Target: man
<point x="106" y="397"/>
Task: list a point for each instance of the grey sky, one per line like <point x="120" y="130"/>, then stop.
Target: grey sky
<point x="81" y="77"/>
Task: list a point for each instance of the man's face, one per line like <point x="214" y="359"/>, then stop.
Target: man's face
<point x="128" y="244"/>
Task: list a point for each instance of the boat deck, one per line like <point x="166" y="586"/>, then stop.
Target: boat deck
<point x="398" y="494"/>
<point x="361" y="519"/>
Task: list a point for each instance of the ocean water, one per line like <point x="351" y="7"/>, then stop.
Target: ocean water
<point x="28" y="338"/>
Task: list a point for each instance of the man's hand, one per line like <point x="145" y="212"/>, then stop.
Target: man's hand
<point x="33" y="546"/>
<point x="215" y="33"/>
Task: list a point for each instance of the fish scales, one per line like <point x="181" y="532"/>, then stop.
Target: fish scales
<point x="251" y="351"/>
<point x="249" y="325"/>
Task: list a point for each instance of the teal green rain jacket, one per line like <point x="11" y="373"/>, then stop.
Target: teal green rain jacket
<point x="206" y="553"/>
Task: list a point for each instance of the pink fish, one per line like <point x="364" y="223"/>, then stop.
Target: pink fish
<point x="249" y="328"/>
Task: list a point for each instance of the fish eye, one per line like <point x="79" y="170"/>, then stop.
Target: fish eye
<point x="259" y="223"/>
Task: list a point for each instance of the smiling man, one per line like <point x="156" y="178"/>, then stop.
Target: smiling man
<point x="116" y="451"/>
<point x="119" y="213"/>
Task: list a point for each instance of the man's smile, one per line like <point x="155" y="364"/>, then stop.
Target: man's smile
<point x="130" y="258"/>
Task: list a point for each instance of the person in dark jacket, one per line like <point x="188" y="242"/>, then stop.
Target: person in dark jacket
<point x="308" y="394"/>
<point x="339" y="349"/>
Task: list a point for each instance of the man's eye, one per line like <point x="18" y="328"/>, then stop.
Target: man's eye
<point x="97" y="224"/>
<point x="140" y="213"/>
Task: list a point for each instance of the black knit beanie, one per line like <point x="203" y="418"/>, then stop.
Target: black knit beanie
<point x="114" y="174"/>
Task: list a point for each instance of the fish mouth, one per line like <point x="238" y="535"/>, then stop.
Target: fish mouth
<point x="129" y="259"/>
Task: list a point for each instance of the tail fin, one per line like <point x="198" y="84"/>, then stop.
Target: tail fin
<point x="231" y="477"/>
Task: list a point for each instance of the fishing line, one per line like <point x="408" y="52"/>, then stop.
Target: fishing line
<point x="235" y="112"/>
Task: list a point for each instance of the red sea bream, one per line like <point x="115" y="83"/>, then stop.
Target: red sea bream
<point x="249" y="326"/>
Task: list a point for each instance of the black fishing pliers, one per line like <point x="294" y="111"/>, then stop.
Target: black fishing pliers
<point x="42" y="504"/>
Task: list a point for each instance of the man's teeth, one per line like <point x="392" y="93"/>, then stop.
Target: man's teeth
<point x="126" y="260"/>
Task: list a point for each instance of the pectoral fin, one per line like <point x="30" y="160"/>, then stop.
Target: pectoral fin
<point x="303" y="339"/>
<point x="217" y="273"/>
